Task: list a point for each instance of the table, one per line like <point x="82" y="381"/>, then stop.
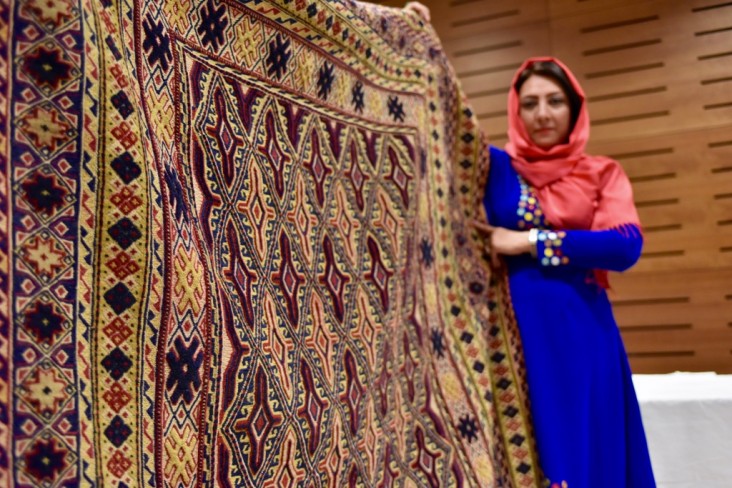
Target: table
<point x="688" y="423"/>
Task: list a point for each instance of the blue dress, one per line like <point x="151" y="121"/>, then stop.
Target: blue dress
<point x="585" y="413"/>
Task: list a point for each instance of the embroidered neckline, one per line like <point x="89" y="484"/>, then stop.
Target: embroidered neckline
<point x="529" y="211"/>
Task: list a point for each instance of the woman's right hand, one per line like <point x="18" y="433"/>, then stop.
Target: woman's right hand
<point x="502" y="241"/>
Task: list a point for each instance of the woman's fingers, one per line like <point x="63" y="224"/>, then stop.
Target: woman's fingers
<point x="489" y="246"/>
<point x="494" y="258"/>
<point x="482" y="226"/>
<point x="420" y="9"/>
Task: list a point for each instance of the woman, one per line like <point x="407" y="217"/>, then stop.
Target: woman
<point x="561" y="218"/>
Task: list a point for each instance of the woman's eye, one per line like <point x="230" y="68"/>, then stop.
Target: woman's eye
<point x="556" y="101"/>
<point x="528" y="105"/>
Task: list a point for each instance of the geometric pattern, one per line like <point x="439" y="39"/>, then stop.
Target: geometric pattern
<point x="236" y="252"/>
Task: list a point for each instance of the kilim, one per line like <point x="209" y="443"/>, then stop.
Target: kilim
<point x="235" y="252"/>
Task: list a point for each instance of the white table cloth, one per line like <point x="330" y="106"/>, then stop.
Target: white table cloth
<point x="688" y="423"/>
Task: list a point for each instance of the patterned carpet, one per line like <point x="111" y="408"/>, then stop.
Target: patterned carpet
<point x="234" y="253"/>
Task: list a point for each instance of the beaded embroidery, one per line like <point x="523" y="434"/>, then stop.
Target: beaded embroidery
<point x="552" y="240"/>
<point x="529" y="212"/>
<point x="530" y="217"/>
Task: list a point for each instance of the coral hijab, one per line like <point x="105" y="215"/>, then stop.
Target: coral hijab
<point x="575" y="190"/>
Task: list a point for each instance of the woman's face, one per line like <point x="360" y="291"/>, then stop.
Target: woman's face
<point x="544" y="111"/>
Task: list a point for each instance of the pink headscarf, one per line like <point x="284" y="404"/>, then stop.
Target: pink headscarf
<point x="575" y="190"/>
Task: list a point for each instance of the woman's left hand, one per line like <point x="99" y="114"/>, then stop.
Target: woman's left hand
<point x="420" y="9"/>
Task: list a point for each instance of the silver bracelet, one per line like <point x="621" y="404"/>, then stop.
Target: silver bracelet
<point x="533" y="238"/>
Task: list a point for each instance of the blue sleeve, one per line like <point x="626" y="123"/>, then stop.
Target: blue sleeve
<point x="613" y="249"/>
<point x="501" y="192"/>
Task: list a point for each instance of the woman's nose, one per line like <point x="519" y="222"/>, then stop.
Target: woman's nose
<point x="542" y="110"/>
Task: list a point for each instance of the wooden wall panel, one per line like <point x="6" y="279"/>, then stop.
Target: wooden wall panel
<point x="658" y="75"/>
<point x="485" y="66"/>
<point x="663" y="318"/>
<point x="458" y="19"/>
<point x="681" y="196"/>
<point x="643" y="64"/>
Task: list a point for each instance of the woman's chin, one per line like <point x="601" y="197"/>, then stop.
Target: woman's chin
<point x="545" y="145"/>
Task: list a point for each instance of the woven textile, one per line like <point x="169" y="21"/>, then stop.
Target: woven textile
<point x="235" y="253"/>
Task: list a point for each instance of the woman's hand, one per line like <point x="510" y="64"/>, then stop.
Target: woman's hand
<point x="420" y="9"/>
<point x="504" y="241"/>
